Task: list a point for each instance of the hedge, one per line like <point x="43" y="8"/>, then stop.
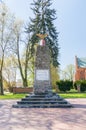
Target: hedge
<point x="64" y="85"/>
<point x="81" y="84"/>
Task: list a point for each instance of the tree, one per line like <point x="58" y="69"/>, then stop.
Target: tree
<point x="9" y="72"/>
<point x="23" y="55"/>
<point x="54" y="76"/>
<point x="6" y="20"/>
<point x="68" y="72"/>
<point x="43" y="23"/>
<point x="31" y="72"/>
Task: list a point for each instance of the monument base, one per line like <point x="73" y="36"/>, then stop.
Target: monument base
<point x="41" y="90"/>
<point x="43" y="100"/>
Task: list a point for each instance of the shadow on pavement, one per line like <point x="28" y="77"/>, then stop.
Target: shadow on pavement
<point x="79" y="105"/>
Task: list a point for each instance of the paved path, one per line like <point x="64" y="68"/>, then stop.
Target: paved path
<point x="43" y="118"/>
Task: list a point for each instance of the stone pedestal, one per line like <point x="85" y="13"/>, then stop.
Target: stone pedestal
<point x="42" y="80"/>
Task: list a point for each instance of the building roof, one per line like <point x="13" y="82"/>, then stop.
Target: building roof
<point x="81" y="62"/>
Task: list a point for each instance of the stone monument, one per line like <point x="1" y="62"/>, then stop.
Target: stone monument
<point x="42" y="97"/>
<point x="42" y="80"/>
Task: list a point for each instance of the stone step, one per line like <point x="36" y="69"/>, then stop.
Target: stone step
<point x="42" y="102"/>
<point x="38" y="96"/>
<point x="43" y="99"/>
<point x="42" y="106"/>
<point x="42" y="96"/>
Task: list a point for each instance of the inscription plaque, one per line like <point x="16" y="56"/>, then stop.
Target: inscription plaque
<point x="42" y="75"/>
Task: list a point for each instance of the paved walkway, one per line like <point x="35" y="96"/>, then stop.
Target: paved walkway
<point x="43" y="118"/>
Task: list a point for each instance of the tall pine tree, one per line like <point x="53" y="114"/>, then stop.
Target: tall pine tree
<point x="43" y="23"/>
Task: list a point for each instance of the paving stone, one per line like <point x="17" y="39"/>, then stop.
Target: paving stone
<point x="43" y="118"/>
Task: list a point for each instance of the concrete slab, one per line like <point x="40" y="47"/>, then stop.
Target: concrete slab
<point x="43" y="118"/>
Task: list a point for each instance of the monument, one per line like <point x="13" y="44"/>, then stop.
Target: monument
<point x="42" y="80"/>
<point x="42" y="96"/>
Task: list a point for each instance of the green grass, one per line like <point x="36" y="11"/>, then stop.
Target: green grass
<point x="64" y="95"/>
<point x="73" y="95"/>
<point x="12" y="96"/>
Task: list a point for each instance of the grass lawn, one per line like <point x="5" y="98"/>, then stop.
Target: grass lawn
<point x="73" y="95"/>
<point x="64" y="95"/>
<point x="12" y="96"/>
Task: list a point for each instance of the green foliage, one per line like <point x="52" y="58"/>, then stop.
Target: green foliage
<point x="64" y="85"/>
<point x="43" y="23"/>
<point x="81" y="84"/>
<point x="68" y="72"/>
<point x="54" y="75"/>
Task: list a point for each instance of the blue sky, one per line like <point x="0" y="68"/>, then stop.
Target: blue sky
<point x="70" y="23"/>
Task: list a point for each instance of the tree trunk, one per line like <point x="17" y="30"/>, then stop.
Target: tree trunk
<point x="25" y="84"/>
<point x="1" y="85"/>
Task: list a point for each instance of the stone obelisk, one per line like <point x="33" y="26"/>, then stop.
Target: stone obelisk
<point x="42" y="80"/>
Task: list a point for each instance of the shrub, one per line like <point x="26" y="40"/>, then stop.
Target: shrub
<point x="77" y="83"/>
<point x="81" y="84"/>
<point x="64" y="85"/>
